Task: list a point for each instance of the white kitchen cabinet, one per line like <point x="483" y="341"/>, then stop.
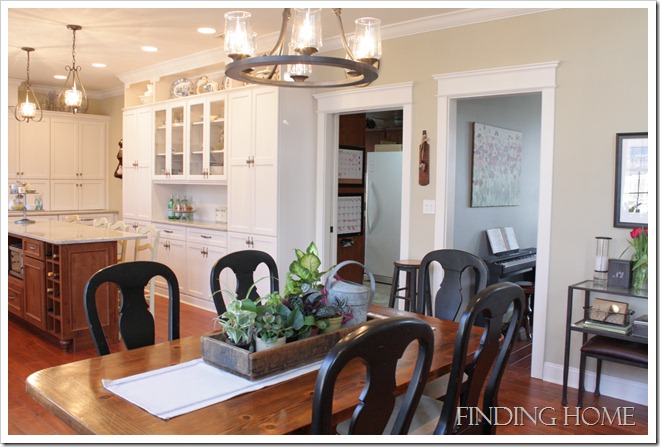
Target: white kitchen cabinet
<point x="78" y="147"/>
<point x="169" y="126"/>
<point x="136" y="152"/>
<point x="253" y="142"/>
<point x="172" y="252"/>
<point x="205" y="145"/>
<point x="28" y="155"/>
<point x="204" y="248"/>
<point x="271" y="171"/>
<point x="77" y="195"/>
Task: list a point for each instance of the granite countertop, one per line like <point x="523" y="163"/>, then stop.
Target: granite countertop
<point x="16" y="213"/>
<point x="62" y="233"/>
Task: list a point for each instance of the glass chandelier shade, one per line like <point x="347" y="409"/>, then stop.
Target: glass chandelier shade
<point x="74" y="97"/>
<point x="28" y="108"/>
<point x="299" y="57"/>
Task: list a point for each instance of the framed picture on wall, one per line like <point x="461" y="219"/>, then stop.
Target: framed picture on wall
<point x="631" y="196"/>
<point x="351" y="165"/>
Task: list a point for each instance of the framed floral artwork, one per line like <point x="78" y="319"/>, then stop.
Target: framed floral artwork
<point x="631" y="196"/>
<point x="496" y="163"/>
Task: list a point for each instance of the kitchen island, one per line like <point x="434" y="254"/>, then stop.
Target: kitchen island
<point x="58" y="259"/>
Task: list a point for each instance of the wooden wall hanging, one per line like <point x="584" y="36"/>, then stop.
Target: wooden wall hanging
<point x="424" y="160"/>
<point x="120" y="156"/>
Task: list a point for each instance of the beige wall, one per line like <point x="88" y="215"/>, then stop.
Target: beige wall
<point x="112" y="107"/>
<point x="602" y="90"/>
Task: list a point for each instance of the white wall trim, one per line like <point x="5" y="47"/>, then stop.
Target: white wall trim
<point x="493" y="82"/>
<point x="329" y="106"/>
<point x="619" y="388"/>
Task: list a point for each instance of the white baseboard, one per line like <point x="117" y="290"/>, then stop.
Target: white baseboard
<point x="628" y="390"/>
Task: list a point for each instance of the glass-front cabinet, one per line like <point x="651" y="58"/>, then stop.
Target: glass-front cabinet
<point x="189" y="140"/>
<point x="206" y="149"/>
<point x="169" y="140"/>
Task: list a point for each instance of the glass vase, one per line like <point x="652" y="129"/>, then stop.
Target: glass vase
<point x="640" y="277"/>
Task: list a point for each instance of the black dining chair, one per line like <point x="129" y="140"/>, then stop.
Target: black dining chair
<point x="458" y="415"/>
<point x="243" y="263"/>
<point x="380" y="344"/>
<point x="136" y="324"/>
<point x="450" y="295"/>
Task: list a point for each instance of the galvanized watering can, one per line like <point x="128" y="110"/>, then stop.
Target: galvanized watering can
<point x="358" y="296"/>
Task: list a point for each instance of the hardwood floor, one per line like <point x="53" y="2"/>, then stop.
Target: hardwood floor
<point x="28" y="353"/>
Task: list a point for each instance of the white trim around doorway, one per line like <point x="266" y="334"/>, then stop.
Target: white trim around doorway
<point x="494" y="82"/>
<point x="329" y="107"/>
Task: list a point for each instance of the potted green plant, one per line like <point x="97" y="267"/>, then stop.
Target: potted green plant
<point x="237" y="323"/>
<point x="274" y="322"/>
<point x="335" y="314"/>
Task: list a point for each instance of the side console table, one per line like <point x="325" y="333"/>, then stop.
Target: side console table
<point x="589" y="287"/>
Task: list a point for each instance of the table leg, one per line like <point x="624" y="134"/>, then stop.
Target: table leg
<point x="567" y="345"/>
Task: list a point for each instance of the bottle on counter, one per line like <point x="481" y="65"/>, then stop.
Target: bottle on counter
<point x="170" y="208"/>
<point x="184" y="205"/>
<point x="177" y="208"/>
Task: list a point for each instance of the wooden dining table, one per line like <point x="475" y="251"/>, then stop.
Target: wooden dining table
<point x="75" y="394"/>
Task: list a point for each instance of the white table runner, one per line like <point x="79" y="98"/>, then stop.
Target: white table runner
<point x="182" y="388"/>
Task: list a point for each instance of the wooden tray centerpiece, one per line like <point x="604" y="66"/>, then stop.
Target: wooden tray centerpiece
<point x="218" y="352"/>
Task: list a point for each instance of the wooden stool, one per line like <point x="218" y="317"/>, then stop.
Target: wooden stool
<point x="528" y="289"/>
<point x="410" y="268"/>
<point x="611" y="350"/>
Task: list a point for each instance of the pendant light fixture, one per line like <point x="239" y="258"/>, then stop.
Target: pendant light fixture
<point x="74" y="97"/>
<point x="294" y="69"/>
<point x="28" y="108"/>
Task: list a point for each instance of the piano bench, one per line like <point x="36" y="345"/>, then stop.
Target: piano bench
<point x="410" y="268"/>
<point x="528" y="290"/>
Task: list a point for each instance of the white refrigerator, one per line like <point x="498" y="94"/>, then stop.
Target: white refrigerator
<point x="383" y="213"/>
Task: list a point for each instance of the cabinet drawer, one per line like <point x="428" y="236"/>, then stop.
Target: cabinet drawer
<point x="171" y="232"/>
<point x="15" y="295"/>
<point x="207" y="237"/>
<point x="34" y="249"/>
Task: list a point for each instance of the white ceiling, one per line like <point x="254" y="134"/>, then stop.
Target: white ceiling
<point x="114" y="36"/>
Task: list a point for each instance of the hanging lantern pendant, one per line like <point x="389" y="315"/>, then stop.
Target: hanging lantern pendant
<point x="28" y="108"/>
<point x="74" y="97"/>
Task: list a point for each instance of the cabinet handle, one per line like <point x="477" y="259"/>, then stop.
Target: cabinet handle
<point x="206" y="236"/>
<point x="168" y="231"/>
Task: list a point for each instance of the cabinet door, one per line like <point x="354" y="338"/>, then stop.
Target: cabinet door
<point x="34" y="149"/>
<point x="64" y="148"/>
<point x="265" y="125"/>
<point x="201" y="259"/>
<point x="64" y="195"/>
<point x="34" y="276"/>
<point x="197" y="140"/>
<point x="91" y="195"/>
<point x="216" y="147"/>
<point x="92" y="144"/>
<point x="172" y="253"/>
<point x="136" y="171"/>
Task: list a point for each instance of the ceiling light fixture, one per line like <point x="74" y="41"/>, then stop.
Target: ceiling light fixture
<point x="206" y="30"/>
<point x="28" y="108"/>
<point x="149" y="49"/>
<point x="74" y="97"/>
<point x="360" y="66"/>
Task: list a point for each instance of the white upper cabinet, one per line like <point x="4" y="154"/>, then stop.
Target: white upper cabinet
<point x="136" y="152"/>
<point x="29" y="148"/>
<point x="78" y="147"/>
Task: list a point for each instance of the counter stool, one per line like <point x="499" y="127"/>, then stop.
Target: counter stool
<point x="410" y="268"/>
<point x="611" y="350"/>
<point x="528" y="289"/>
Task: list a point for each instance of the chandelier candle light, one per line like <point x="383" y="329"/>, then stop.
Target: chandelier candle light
<point x="28" y="109"/>
<point x="74" y="97"/>
<point x="358" y="68"/>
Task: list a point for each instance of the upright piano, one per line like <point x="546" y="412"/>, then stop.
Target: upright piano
<point x="521" y="264"/>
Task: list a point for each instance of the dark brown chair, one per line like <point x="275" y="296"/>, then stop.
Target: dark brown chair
<point x="611" y="350"/>
<point x="380" y="344"/>
<point x="243" y="263"/>
<point x="484" y="372"/>
<point x="450" y="296"/>
<point x="136" y="324"/>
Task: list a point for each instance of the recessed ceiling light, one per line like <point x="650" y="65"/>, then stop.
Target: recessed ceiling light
<point x="98" y="65"/>
<point x="150" y="49"/>
<point x="59" y="77"/>
<point x="206" y="30"/>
